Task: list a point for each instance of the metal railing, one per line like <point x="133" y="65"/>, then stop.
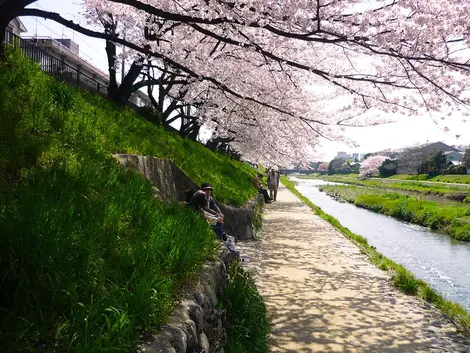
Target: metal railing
<point x="54" y="66"/>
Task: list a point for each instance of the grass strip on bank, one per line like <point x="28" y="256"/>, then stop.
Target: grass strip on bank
<point x="457" y="179"/>
<point x="451" y="192"/>
<point x="452" y="219"/>
<point x="247" y="322"/>
<point x="88" y="257"/>
<point x="402" y="279"/>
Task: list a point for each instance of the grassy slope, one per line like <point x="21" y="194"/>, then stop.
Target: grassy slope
<point x="402" y="278"/>
<point x="451" y="219"/>
<point x="87" y="257"/>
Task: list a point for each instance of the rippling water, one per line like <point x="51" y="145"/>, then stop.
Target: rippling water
<point x="431" y="256"/>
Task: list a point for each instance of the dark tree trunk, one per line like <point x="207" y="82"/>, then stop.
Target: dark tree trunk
<point x="125" y="90"/>
<point x="111" y="53"/>
<point x="9" y="9"/>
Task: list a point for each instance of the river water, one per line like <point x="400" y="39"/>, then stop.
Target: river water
<point x="432" y="256"/>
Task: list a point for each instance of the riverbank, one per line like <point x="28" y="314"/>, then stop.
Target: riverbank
<point x="452" y="219"/>
<point x="324" y="296"/>
<point x="452" y="192"/>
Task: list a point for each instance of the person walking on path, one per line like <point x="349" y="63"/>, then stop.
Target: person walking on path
<point x="273" y="183"/>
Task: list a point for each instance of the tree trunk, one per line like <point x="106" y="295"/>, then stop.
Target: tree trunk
<point x="111" y="53"/>
<point x="9" y="9"/>
<point x="125" y="89"/>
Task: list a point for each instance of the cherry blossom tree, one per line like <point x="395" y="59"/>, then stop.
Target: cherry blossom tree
<point x="272" y="78"/>
<point x="370" y="166"/>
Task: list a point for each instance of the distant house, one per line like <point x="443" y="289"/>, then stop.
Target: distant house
<point x="16" y="27"/>
<point x="409" y="160"/>
<point x="454" y="158"/>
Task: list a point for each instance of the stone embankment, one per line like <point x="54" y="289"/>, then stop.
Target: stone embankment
<point x="324" y="296"/>
<point x="196" y="325"/>
<point x="170" y="184"/>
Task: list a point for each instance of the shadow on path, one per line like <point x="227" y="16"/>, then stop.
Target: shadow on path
<point x="324" y="296"/>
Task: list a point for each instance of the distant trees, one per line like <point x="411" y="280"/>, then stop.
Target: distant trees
<point x="370" y="167"/>
<point x="337" y="166"/>
<point x="456" y="169"/>
<point x="466" y="158"/>
<point x="388" y="168"/>
<point x="434" y="164"/>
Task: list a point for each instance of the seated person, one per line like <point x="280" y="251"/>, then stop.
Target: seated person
<point x="261" y="190"/>
<point x="211" y="206"/>
<point x="198" y="202"/>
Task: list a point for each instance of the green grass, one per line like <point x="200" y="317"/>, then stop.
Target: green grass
<point x="247" y="323"/>
<point x="88" y="257"/>
<point x="401" y="277"/>
<point x="452" y="192"/>
<point x="458" y="179"/>
<point x="453" y="219"/>
<point x="51" y="109"/>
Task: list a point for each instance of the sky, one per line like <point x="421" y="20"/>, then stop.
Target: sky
<point x="406" y="131"/>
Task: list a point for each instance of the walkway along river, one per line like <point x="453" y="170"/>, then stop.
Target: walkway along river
<point x="323" y="295"/>
<point x="434" y="257"/>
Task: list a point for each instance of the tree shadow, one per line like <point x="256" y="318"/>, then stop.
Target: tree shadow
<point x="324" y="296"/>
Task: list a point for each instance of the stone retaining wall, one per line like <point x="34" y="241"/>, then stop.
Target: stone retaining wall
<point x="196" y="325"/>
<point x="170" y="183"/>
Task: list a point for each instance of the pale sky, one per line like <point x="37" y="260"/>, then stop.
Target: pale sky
<point x="406" y="131"/>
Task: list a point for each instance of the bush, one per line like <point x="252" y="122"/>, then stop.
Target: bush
<point x="457" y="169"/>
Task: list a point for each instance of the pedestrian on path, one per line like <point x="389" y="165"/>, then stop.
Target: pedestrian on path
<point x="273" y="182"/>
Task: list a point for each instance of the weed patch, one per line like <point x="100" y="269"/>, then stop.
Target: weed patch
<point x="248" y="326"/>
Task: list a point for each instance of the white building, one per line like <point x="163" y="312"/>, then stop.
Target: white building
<point x="349" y="156"/>
<point x="16" y="27"/>
<point x="454" y="157"/>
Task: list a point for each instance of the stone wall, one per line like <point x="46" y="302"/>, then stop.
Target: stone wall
<point x="196" y="325"/>
<point x="170" y="183"/>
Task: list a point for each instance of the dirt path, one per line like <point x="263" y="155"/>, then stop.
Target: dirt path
<point x="324" y="296"/>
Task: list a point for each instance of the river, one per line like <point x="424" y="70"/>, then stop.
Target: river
<point x="432" y="256"/>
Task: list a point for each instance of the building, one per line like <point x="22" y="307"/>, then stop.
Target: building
<point x="410" y="160"/>
<point x="66" y="63"/>
<point x="16" y="27"/>
<point x="69" y="62"/>
<point x="68" y="52"/>
<point x="354" y="157"/>
<point x="453" y="157"/>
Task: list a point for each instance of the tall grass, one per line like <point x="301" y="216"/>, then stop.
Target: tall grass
<point x="402" y="279"/>
<point x="247" y="323"/>
<point x="88" y="258"/>
<point x="452" y="219"/>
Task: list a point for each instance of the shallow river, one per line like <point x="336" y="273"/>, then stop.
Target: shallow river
<point x="434" y="257"/>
